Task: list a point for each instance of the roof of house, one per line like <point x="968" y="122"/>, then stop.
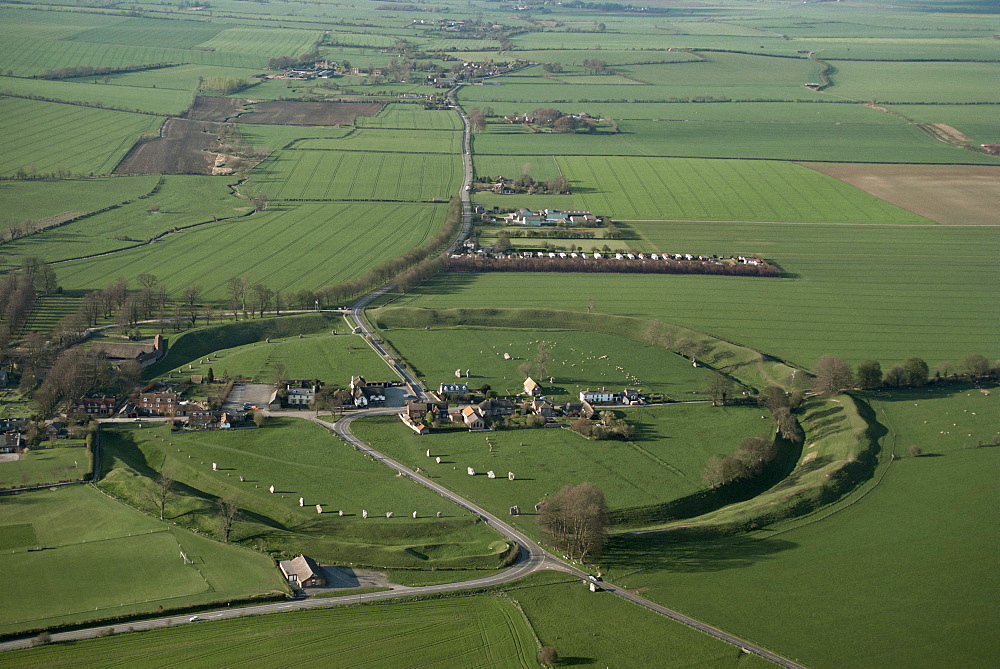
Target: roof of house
<point x="530" y="384"/>
<point x="302" y="567"/>
<point x="123" y="350"/>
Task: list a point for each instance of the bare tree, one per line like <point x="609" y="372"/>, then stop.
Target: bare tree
<point x="576" y="520"/>
<point x="228" y="514"/>
<point x="190" y="296"/>
<point x="832" y="375"/>
<point x="719" y="388"/>
<point x="547" y="656"/>
<point x="163" y="492"/>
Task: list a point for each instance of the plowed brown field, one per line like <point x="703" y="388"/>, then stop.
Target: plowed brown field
<point x="309" y="113"/>
<point x="184" y="148"/>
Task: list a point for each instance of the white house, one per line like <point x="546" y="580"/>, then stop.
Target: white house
<point x="601" y="396"/>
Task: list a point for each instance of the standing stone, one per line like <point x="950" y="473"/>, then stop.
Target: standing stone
<point x="437" y="459"/>
<point x="319" y="508"/>
<point x="472" y="472"/>
<point x="510" y="476"/>
<point x="215" y="466"/>
<point x="388" y="514"/>
<point x="341" y="513"/>
<point x="271" y="489"/>
<point x="490" y="474"/>
<point x="414" y="514"/>
<point x="438" y="514"/>
<point x="364" y="513"/>
<point x="302" y="501"/>
<point x="428" y="452"/>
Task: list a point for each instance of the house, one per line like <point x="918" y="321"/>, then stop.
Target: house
<point x="542" y="407"/>
<point x="632" y="396"/>
<point x="453" y="389"/>
<point x="143" y="352"/>
<point x="55" y="430"/>
<point x="301" y="393"/>
<point x="531" y="387"/>
<point x="95" y="406"/>
<point x="472" y="419"/>
<point x="156" y="404"/>
<point x="418" y="410"/>
<point x="302" y="572"/>
<point x="10" y="442"/>
<point x="601" y="396"/>
<point x="491" y="408"/>
<point x="368" y="395"/>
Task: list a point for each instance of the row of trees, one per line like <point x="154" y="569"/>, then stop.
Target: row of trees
<point x="575" y="520"/>
<point x="609" y="426"/>
<point x="89" y="71"/>
<point x="748" y="461"/>
<point x="834" y="375"/>
<point x="481" y="263"/>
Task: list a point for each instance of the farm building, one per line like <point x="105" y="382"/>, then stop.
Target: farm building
<point x="531" y="387"/>
<point x="472" y="419"/>
<point x="143" y="352"/>
<point x="302" y="572"/>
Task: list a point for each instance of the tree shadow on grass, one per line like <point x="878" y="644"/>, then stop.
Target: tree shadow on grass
<point x="661" y="551"/>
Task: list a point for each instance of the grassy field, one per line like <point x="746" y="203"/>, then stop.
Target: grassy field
<point x="78" y="585"/>
<point x="891" y="557"/>
<point x="577" y="361"/>
<point x="63" y="460"/>
<point x="854" y="291"/>
<point x="914" y="82"/>
<point x="320" y="469"/>
<point x="179" y="202"/>
<point x="392" y="141"/>
<point x="48" y="137"/>
<point x="411" y="117"/>
<point x="159" y="100"/>
<point x="327" y="243"/>
<point x="662" y="464"/>
<point x="355" y="175"/>
<point x="331" y="359"/>
<point x="38" y="200"/>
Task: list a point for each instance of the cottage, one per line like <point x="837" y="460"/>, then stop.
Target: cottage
<point x="97" y="406"/>
<point x="601" y="396"/>
<point x="632" y="396"/>
<point x="453" y="389"/>
<point x="496" y="407"/>
<point x="472" y="419"/>
<point x="302" y="572"/>
<point x="531" y="387"/>
<point x="156" y="404"/>
<point x="418" y="410"/>
<point x="542" y="407"/>
<point x="10" y="442"/>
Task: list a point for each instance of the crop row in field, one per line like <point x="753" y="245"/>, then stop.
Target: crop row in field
<point x="805" y="139"/>
<point x="29" y="57"/>
<point x="326" y="244"/>
<point x="411" y="117"/>
<point x="390" y="141"/>
<point x="697" y="189"/>
<point x="43" y="137"/>
<point x="267" y="42"/>
<point x="48" y="25"/>
<point x="80" y="586"/>
<point x="860" y="292"/>
<point x="128" y="31"/>
<point x="156" y="100"/>
<point x="353" y="175"/>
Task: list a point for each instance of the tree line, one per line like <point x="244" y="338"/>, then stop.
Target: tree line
<point x="834" y="375"/>
<point x="90" y="71"/>
<point x="483" y="263"/>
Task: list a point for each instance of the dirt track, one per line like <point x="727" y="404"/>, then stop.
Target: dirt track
<point x="946" y="194"/>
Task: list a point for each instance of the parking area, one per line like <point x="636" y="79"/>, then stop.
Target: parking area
<point x="249" y="395"/>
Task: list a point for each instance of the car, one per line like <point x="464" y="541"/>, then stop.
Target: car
<point x="194" y="619"/>
<point x="594" y="578"/>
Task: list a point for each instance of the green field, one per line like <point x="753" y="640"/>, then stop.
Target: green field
<point x="79" y="585"/>
<point x="263" y="41"/>
<point x="892" y="556"/>
<point x="329" y="358"/>
<point x="300" y="459"/>
<point x="577" y="361"/>
<point x="392" y="141"/>
<point x="662" y="464"/>
<point x="179" y="202"/>
<point x="38" y="200"/>
<point x="326" y="243"/>
<point x="44" y="137"/>
<point x="411" y="117"/>
<point x="355" y="175"/>
<point x="89" y="92"/>
<point x="854" y="291"/>
<point x="63" y="460"/>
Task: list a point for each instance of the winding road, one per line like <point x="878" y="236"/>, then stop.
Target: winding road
<point x="531" y="558"/>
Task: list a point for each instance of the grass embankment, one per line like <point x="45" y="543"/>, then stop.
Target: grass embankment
<point x="72" y="555"/>
<point x="899" y="571"/>
<point x="301" y="460"/>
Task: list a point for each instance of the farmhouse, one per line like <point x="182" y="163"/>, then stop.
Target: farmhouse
<point x="542" y="407"/>
<point x="10" y="442"/>
<point x="531" y="387"/>
<point x="418" y="410"/>
<point x="302" y="572"/>
<point x="301" y="393"/>
<point x="601" y="396"/>
<point x="453" y="389"/>
<point x="154" y="404"/>
<point x="496" y="407"/>
<point x="143" y="352"/>
<point x="364" y="393"/>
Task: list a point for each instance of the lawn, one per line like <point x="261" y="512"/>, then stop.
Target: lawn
<point x="333" y="359"/>
<point x="576" y="360"/>
<point x="664" y="463"/>
<point x="326" y="243"/>
<point x="301" y="460"/>
<point x="63" y="460"/>
<point x="45" y="137"/>
<point x="79" y="586"/>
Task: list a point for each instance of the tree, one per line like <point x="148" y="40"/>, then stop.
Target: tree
<point x="547" y="656"/>
<point x="915" y="451"/>
<point x="832" y="375"/>
<point x="974" y="366"/>
<point x="576" y="520"/>
<point x="503" y="242"/>
<point x="190" y="296"/>
<point x="916" y="371"/>
<point x="869" y="375"/>
<point x="476" y="120"/>
<point x="259" y="418"/>
<point x="719" y="388"/>
<point x="262" y="296"/>
<point x="228" y="514"/>
<point x="163" y="492"/>
<point x="566" y="124"/>
<point x="542" y="360"/>
<point x="237" y="289"/>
